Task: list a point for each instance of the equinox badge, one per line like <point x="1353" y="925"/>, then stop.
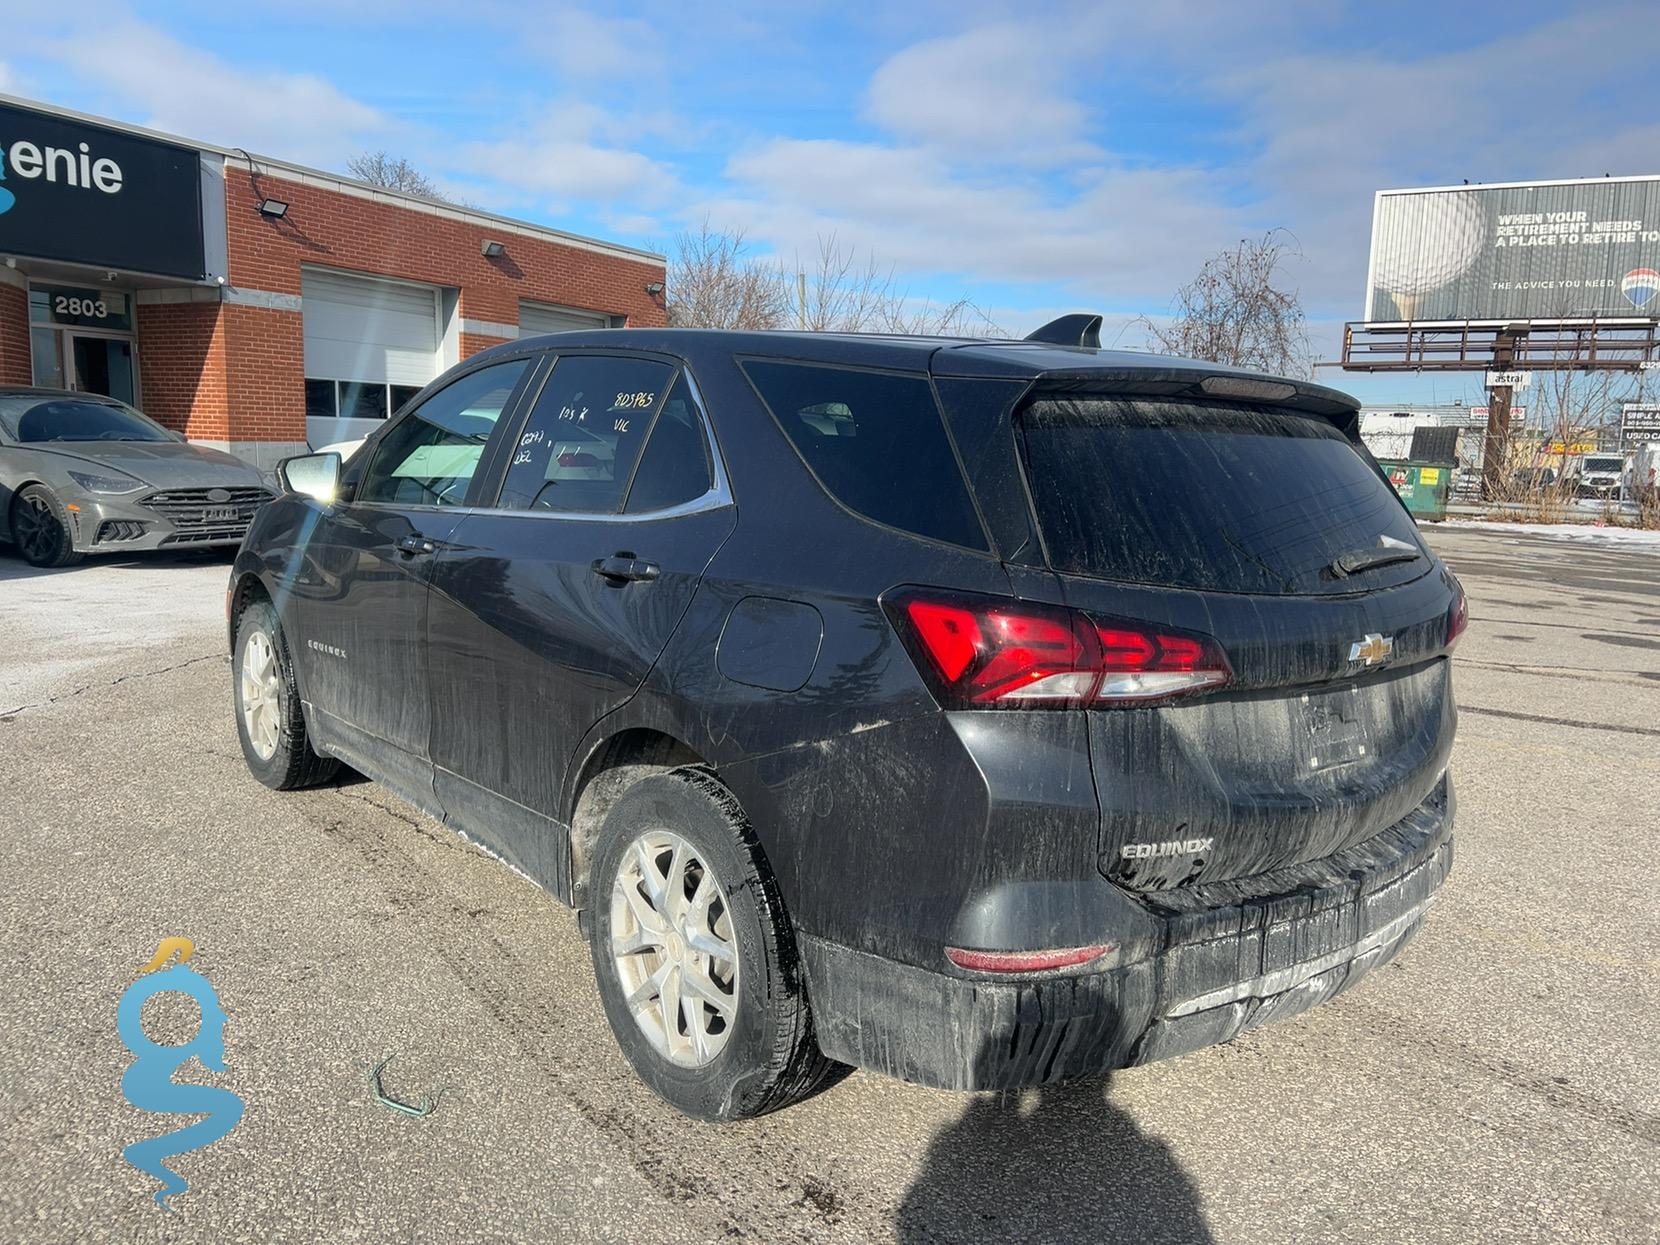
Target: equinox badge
<point x="1371" y="650"/>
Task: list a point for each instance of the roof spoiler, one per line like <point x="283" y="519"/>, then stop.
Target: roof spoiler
<point x="1078" y="329"/>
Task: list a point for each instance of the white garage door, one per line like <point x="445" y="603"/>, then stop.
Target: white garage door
<point x="369" y="344"/>
<point x="535" y="318"/>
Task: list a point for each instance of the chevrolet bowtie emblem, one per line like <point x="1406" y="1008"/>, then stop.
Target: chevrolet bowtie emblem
<point x="1371" y="650"/>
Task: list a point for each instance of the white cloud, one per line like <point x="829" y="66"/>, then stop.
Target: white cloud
<point x="565" y="157"/>
<point x="596" y="49"/>
<point x="1115" y="236"/>
<point x="187" y="91"/>
<point x="997" y="91"/>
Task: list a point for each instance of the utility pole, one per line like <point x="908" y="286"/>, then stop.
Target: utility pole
<point x="1495" y="447"/>
<point x="801" y="300"/>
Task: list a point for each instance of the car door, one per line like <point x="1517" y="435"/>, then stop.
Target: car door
<point x="356" y="591"/>
<point x="550" y="607"/>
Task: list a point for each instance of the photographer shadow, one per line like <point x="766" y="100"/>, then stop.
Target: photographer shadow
<point x="1059" y="1163"/>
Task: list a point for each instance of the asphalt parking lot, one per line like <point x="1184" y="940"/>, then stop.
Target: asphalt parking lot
<point x="1500" y="1081"/>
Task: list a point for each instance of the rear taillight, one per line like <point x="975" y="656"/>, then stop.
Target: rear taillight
<point x="980" y="652"/>
<point x="1458" y="618"/>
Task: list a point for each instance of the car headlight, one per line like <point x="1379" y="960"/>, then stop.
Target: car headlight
<point x="106" y="484"/>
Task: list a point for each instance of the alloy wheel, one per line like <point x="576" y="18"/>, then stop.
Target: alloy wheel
<point x="261" y="692"/>
<point x="674" y="950"/>
<point x="35" y="528"/>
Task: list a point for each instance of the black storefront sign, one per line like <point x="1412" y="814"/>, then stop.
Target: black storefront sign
<point x="89" y="195"/>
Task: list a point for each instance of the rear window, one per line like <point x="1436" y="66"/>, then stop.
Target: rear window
<point x="876" y="442"/>
<point x="1218" y="497"/>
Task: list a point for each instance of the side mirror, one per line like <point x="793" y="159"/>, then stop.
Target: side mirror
<point x="314" y="475"/>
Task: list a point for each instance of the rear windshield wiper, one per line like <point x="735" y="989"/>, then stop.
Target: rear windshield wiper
<point x="1387" y="553"/>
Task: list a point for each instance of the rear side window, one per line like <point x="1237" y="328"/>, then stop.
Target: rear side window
<point x="876" y="442"/>
<point x="579" y="446"/>
<point x="674" y="467"/>
<point x="1216" y="497"/>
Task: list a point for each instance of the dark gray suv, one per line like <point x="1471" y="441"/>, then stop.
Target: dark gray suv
<point x="984" y="713"/>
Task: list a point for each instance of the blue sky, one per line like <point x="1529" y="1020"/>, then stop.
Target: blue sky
<point x="1037" y="157"/>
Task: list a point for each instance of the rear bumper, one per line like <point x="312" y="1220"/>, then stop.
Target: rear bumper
<point x="1228" y="957"/>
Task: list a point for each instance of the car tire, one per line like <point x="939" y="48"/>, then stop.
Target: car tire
<point x="767" y="1056"/>
<point x="41" y="529"/>
<point x="269" y="720"/>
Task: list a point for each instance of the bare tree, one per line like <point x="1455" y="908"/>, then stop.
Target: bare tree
<point x="1573" y="411"/>
<point x="714" y="283"/>
<point x="379" y="169"/>
<point x="841" y="292"/>
<point x="1236" y="312"/>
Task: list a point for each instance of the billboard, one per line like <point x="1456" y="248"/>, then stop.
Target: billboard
<point x="1639" y="422"/>
<point x="1521" y="251"/>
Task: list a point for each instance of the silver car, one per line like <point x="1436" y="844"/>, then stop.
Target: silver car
<point x="80" y="474"/>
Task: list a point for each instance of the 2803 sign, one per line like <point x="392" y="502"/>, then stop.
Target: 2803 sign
<point x="69" y="305"/>
<point x="80" y="308"/>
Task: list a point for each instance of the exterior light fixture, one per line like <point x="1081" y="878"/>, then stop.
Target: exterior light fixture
<point x="276" y="209"/>
<point x="655" y="288"/>
<point x="490" y="249"/>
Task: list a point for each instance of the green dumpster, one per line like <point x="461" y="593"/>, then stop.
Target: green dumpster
<point x="1422" y="486"/>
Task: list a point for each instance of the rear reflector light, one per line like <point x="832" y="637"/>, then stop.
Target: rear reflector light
<point x="1023" y="961"/>
<point x="1458" y="618"/>
<point x="991" y="653"/>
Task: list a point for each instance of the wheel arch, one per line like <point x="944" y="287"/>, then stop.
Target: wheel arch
<point x="614" y="763"/>
<point x="11" y="492"/>
<point x="245" y="589"/>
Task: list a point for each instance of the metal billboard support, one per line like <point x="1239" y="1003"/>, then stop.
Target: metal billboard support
<point x="1591" y="344"/>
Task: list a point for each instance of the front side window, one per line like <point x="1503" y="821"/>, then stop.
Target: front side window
<point x="428" y="458"/>
<point x="579" y="446"/>
<point x="876" y="442"/>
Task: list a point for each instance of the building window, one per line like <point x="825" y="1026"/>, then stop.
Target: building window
<point x="355" y="399"/>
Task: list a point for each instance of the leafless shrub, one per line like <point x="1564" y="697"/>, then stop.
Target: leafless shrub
<point x="1236" y="312"/>
<point x="1539" y="472"/>
<point x="714" y="283"/>
<point x="840" y="291"/>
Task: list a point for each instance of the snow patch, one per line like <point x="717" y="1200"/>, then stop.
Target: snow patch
<point x="1585" y="533"/>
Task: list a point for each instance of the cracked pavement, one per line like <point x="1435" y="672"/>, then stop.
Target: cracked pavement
<point x="1498" y="1082"/>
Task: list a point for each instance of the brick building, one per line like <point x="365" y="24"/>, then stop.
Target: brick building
<point x="256" y="305"/>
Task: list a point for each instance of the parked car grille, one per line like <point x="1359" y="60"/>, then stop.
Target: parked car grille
<point x="111" y="531"/>
<point x="200" y="515"/>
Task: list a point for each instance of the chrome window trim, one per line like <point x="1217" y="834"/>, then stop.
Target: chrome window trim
<point x="718" y="496"/>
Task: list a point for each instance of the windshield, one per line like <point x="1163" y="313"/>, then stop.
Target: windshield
<point x="1604" y="464"/>
<point x="1213" y="496"/>
<point x="32" y="419"/>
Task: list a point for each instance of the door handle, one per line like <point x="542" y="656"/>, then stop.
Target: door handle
<point x="623" y="567"/>
<point x="415" y="543"/>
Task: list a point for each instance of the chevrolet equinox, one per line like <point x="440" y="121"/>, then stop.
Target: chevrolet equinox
<point x="986" y="713"/>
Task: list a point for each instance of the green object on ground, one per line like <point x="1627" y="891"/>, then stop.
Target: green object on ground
<point x="1422" y="486"/>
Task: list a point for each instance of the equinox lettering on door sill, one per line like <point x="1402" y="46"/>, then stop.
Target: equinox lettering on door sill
<point x="1170" y="847"/>
<point x="320" y="647"/>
